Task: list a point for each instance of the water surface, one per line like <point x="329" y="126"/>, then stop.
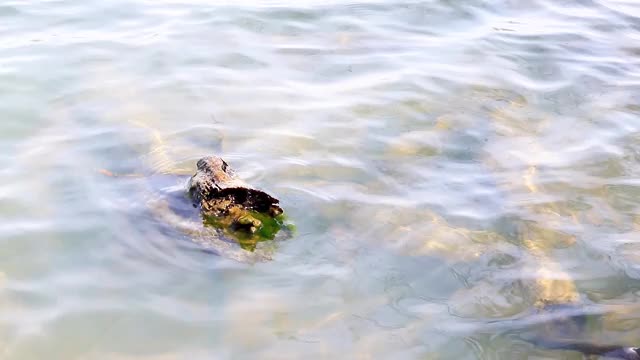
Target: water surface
<point x="440" y="159"/>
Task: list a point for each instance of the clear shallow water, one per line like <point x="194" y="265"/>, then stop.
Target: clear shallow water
<point x="442" y="161"/>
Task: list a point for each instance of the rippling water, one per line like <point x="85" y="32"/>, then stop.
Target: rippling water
<point x="448" y="165"/>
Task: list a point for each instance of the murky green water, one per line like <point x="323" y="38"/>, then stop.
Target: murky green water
<point x="448" y="165"/>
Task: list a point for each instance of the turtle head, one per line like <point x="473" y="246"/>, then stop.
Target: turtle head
<point x="212" y="175"/>
<point x="216" y="168"/>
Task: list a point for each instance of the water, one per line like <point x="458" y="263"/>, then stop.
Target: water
<point x="448" y="166"/>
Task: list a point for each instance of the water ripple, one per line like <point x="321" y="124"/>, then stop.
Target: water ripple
<point x="440" y="159"/>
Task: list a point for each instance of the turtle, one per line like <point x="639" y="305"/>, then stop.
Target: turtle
<point x="216" y="210"/>
<point x="158" y="154"/>
<point x="563" y="327"/>
<point x="210" y="204"/>
<point x="559" y="319"/>
<point x="230" y="204"/>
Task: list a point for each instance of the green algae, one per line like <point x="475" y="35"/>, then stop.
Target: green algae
<point x="249" y="228"/>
